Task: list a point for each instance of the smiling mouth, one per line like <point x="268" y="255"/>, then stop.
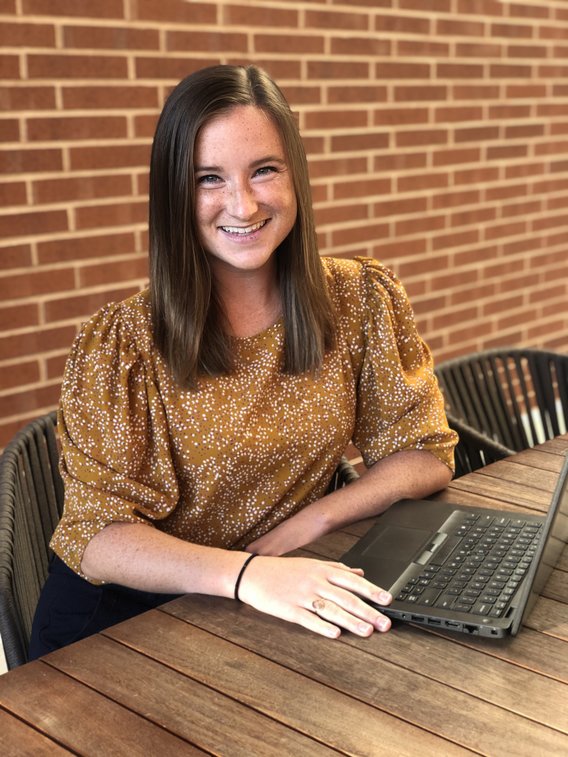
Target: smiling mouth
<point x="242" y="230"/>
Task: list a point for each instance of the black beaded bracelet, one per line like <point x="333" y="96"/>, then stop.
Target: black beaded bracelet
<point x="239" y="577"/>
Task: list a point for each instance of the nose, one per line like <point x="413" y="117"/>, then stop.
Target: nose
<point x="241" y="201"/>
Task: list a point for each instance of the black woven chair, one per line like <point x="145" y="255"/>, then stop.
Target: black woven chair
<point x="474" y="450"/>
<point x="517" y="397"/>
<point x="31" y="502"/>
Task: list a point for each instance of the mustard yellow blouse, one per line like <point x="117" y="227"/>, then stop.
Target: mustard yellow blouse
<point x="225" y="463"/>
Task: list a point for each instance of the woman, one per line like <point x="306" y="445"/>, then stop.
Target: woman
<point x="201" y="421"/>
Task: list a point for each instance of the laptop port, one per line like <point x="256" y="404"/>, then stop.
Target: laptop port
<point x="434" y="622"/>
<point x="417" y="618"/>
<point x="469" y="629"/>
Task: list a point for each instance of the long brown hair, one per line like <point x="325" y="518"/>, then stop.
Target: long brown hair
<point x="187" y="317"/>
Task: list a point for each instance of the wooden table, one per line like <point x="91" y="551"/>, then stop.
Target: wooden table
<point x="209" y="676"/>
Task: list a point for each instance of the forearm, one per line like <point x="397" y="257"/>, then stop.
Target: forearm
<point x="408" y="474"/>
<point x="142" y="557"/>
<point x="413" y="474"/>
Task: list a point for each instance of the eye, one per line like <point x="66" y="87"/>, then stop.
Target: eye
<point x="265" y="171"/>
<point x="208" y="179"/>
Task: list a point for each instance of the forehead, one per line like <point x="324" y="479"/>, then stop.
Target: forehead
<point x="242" y="130"/>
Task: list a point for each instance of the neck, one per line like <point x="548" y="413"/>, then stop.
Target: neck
<point x="251" y="300"/>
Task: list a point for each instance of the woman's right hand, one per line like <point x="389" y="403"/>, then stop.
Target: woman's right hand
<point x="321" y="596"/>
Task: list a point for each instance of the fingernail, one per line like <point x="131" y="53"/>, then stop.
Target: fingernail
<point x="384" y="624"/>
<point x="385" y="597"/>
<point x="365" y="629"/>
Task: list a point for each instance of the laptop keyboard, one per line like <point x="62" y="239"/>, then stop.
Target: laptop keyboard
<point x="479" y="566"/>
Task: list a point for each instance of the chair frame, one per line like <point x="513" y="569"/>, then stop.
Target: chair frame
<point x="31" y="503"/>
<point x="500" y="392"/>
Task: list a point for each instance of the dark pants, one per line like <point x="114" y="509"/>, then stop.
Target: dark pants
<point x="71" y="608"/>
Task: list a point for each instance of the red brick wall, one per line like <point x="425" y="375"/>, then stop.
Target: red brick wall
<point x="437" y="132"/>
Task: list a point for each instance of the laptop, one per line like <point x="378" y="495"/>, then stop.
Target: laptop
<point x="463" y="568"/>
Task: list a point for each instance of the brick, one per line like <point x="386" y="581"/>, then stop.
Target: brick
<point x="470" y="92"/>
<point x="521" y="209"/>
<point x="400" y="162"/>
<point x="94" y="97"/>
<point x="356" y="94"/>
<point x="37" y="222"/>
<point x="110" y="38"/>
<point x="455" y="239"/>
<point x="365" y="232"/>
<point x="243" y="15"/>
<point x="55" y="365"/>
<point x="394" y="250"/>
<point x="19" y="374"/>
<point x="418" y="48"/>
<point x="436" y="6"/>
<point x="455" y="157"/>
<point x="476" y="134"/>
<point x="103" y="8"/>
<point x="422" y="181"/>
<point x="340" y="213"/>
<point x="336" y="119"/>
<point x="501" y="231"/>
<point x="111" y="156"/>
<point x="84" y="188"/>
<point x="321" y="19"/>
<point x="402" y="70"/>
<point x="57" y="66"/>
<point x="424" y="224"/>
<point x="456" y="198"/>
<point x="477" y="175"/>
<point x="35" y="342"/>
<point x="484" y="50"/>
<point x="280" y="43"/>
<point x="337" y="167"/>
<point x="9" y="66"/>
<point x="406" y="206"/>
<point x="459" y="28"/>
<point x="424" y="93"/>
<point x="508" y="31"/>
<point x="361" y="188"/>
<point x="360" y="46"/>
<point x="19" y="402"/>
<point x="82" y="248"/>
<point x="76" y="128"/>
<point x="13" y="193"/>
<point x="302" y="94"/>
<point x="82" y="306"/>
<point x="135" y="267"/>
<point x="27" y="98"/>
<point x="206" y="41"/>
<point x="9" y="130"/>
<point x="421" y="137"/>
<point x="35" y="283"/>
<point x="18" y="316"/>
<point x="459" y="71"/>
<point x="400" y="116"/>
<point x="476" y="216"/>
<point x="507" y="152"/>
<point x="524" y="131"/>
<point x="15" y="256"/>
<point x="330" y="69"/>
<point x="27" y="35"/>
<point x="168" y="68"/>
<point x="509" y="71"/>
<point x="403" y="25"/>
<point x="115" y="214"/>
<point x="458" y="113"/>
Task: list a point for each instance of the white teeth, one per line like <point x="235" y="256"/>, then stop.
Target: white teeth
<point x="245" y="230"/>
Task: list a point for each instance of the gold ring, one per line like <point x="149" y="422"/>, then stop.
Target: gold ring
<point x="318" y="605"/>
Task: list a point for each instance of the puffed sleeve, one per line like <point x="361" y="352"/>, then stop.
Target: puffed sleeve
<point x="115" y="462"/>
<point x="400" y="406"/>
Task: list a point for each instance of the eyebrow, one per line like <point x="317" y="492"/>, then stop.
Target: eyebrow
<point x="254" y="164"/>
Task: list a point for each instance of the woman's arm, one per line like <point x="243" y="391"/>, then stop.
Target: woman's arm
<point x="142" y="557"/>
<point x="407" y="474"/>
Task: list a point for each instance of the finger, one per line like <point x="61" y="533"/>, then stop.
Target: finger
<point x="356" y="608"/>
<point x="359" y="585"/>
<point x="360" y="626"/>
<point x="317" y="624"/>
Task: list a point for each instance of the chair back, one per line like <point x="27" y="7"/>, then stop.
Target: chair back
<point x="518" y="397"/>
<point x="31" y="503"/>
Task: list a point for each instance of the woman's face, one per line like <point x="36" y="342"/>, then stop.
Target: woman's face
<point x="245" y="199"/>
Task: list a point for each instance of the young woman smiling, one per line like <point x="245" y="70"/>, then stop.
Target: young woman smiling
<point x="202" y="420"/>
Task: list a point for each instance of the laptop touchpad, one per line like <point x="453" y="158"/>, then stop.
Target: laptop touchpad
<point x="396" y="542"/>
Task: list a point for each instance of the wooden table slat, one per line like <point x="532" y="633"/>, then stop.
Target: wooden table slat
<point x="376" y="671"/>
<point x="194" y="712"/>
<point x="271" y="687"/>
<point x="59" y="707"/>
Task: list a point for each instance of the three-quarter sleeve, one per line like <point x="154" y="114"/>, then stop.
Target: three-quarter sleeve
<point x="399" y="404"/>
<point x="115" y="462"/>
